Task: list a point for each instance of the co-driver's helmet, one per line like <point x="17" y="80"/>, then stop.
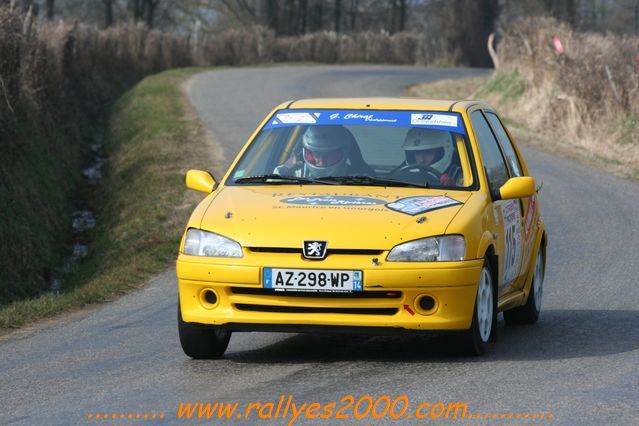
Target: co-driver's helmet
<point x="437" y="141"/>
<point x="325" y="149"/>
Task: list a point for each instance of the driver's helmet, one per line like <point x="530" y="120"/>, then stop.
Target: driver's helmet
<point x="325" y="149"/>
<point x="438" y="142"/>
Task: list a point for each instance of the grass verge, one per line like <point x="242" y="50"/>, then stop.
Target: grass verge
<point x="142" y="204"/>
<point x="462" y="88"/>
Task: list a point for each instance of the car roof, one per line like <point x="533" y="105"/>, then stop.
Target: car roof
<point x="381" y="103"/>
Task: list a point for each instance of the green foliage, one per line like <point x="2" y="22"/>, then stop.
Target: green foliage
<point x="36" y="212"/>
<point x="508" y="86"/>
<point x="629" y="129"/>
<point x="142" y="202"/>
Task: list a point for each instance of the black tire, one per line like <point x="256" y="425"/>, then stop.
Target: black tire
<point x="471" y="342"/>
<point x="201" y="341"/>
<point x="529" y="313"/>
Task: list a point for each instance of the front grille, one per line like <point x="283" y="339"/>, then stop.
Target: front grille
<point x="310" y="310"/>
<point x="357" y="252"/>
<point x="367" y="294"/>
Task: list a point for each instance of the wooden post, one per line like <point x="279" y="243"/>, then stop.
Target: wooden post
<point x="491" y="51"/>
<point x="196" y="42"/>
<point x="27" y="23"/>
<point x="612" y="83"/>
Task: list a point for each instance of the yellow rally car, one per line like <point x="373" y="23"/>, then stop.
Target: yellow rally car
<point x="367" y="214"/>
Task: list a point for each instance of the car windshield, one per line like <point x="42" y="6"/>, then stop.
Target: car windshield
<point x="358" y="147"/>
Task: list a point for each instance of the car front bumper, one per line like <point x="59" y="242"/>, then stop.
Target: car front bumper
<point x="390" y="299"/>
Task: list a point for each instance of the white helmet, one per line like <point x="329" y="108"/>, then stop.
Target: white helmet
<point x="325" y="149"/>
<point x="420" y="139"/>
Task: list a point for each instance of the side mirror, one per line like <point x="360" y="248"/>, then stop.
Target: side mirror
<point x="201" y="181"/>
<point x="517" y="187"/>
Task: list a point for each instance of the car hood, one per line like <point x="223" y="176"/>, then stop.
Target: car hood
<point x="346" y="217"/>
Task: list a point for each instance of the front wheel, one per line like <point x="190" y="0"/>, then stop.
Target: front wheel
<point x="529" y="313"/>
<point x="201" y="341"/>
<point x="473" y="341"/>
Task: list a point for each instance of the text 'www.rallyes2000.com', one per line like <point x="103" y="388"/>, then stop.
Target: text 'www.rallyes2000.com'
<point x="287" y="410"/>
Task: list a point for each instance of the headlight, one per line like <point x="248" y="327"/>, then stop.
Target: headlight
<point x="202" y="243"/>
<point x="434" y="249"/>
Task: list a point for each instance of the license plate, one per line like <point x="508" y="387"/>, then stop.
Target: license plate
<point x="318" y="280"/>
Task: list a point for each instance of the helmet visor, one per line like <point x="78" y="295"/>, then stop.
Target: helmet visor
<point x="428" y="156"/>
<point x="323" y="158"/>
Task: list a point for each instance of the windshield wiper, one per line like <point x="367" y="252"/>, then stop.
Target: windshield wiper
<point x="328" y="180"/>
<point x="373" y="181"/>
<point x="274" y="178"/>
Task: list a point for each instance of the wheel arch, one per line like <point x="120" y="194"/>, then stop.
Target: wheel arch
<point x="493" y="260"/>
<point x="541" y="242"/>
<point x="487" y="250"/>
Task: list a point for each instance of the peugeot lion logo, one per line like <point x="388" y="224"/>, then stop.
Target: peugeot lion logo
<point x="314" y="249"/>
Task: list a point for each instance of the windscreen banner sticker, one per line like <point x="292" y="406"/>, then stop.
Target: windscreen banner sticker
<point x="332" y="200"/>
<point x="512" y="240"/>
<point x="418" y="205"/>
<point x="296" y="118"/>
<point x="448" y="121"/>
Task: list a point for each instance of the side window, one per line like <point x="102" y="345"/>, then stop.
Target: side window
<point x="506" y="145"/>
<point x="494" y="165"/>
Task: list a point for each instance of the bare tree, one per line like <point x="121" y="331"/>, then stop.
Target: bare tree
<point x="337" y="15"/>
<point x="290" y="24"/>
<point x="352" y="14"/>
<point x="402" y="15"/>
<point x="398" y="16"/>
<point x="303" y="13"/>
<point x="244" y="9"/>
<point x="318" y="16"/>
<point x="565" y="10"/>
<point x="149" y="9"/>
<point x="272" y="14"/>
<point x="108" y="13"/>
<point x="23" y="6"/>
<point x="393" y="23"/>
<point x="49" y="8"/>
<point x="480" y="15"/>
<point x="137" y="7"/>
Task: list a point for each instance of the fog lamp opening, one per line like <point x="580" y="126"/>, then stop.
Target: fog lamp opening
<point x="209" y="298"/>
<point x="426" y="304"/>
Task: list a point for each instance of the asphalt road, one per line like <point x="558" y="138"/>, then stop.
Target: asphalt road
<point x="580" y="362"/>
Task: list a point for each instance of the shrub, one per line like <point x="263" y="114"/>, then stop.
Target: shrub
<point x="56" y="82"/>
<point x="589" y="96"/>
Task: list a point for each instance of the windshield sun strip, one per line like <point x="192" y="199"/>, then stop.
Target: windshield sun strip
<point x="229" y="181"/>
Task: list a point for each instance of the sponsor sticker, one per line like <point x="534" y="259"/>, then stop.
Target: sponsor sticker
<point x="418" y="205"/>
<point x="434" y="119"/>
<point x="296" y="118"/>
<point x="529" y="214"/>
<point x="332" y="200"/>
<point x="512" y="240"/>
<point x="368" y="118"/>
